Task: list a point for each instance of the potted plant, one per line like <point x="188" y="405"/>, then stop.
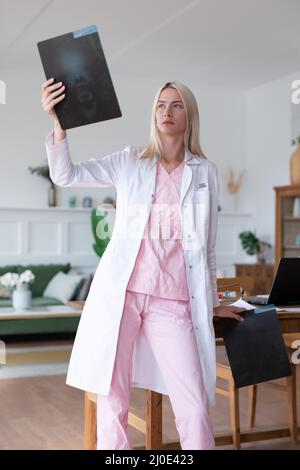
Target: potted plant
<point x="253" y="245"/>
<point x="45" y="173"/>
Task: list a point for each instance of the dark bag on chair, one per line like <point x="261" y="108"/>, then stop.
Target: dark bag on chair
<point x="255" y="347"/>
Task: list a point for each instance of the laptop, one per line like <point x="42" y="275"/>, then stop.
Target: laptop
<point x="77" y="59"/>
<point x="285" y="289"/>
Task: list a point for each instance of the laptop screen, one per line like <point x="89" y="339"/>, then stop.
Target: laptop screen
<point x="286" y="285"/>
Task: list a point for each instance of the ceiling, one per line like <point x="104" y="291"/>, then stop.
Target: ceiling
<point x="235" y="43"/>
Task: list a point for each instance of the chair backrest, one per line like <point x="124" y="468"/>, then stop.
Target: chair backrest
<point x="240" y="285"/>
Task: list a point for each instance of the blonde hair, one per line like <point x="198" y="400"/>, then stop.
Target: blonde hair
<point x="191" y="135"/>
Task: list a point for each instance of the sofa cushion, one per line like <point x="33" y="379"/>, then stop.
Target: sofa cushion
<point x="83" y="288"/>
<point x="62" y="286"/>
<point x="43" y="274"/>
<point x="42" y="301"/>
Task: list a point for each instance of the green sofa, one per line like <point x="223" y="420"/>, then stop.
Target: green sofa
<point x="43" y="274"/>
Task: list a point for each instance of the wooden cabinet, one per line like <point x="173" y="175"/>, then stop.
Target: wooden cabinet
<point x="287" y="235"/>
<point x="261" y="273"/>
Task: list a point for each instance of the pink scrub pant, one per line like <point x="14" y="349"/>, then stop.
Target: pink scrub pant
<point x="169" y="330"/>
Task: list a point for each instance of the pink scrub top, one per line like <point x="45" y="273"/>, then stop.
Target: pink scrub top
<point x="160" y="267"/>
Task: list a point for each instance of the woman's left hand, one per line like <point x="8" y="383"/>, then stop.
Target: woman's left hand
<point x="229" y="311"/>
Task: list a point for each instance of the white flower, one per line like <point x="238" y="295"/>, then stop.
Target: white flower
<point x="9" y="279"/>
<point x="14" y="279"/>
<point x="26" y="277"/>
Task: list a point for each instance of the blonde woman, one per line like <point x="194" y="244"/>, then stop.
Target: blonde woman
<point x="148" y="318"/>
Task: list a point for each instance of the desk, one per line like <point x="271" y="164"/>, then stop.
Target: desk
<point x="289" y="322"/>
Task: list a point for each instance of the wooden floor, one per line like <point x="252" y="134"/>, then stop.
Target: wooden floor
<point x="45" y="413"/>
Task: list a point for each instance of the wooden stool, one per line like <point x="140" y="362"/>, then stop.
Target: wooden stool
<point x="151" y="427"/>
<point x="289" y="340"/>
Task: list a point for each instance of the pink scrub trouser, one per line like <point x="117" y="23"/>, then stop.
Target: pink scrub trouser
<point x="169" y="330"/>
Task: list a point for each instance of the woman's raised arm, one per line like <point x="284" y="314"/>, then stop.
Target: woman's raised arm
<point x="100" y="172"/>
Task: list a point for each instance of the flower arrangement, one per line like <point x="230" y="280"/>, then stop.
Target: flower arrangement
<point x="42" y="171"/>
<point x="296" y="140"/>
<point x="14" y="279"/>
<point x="233" y="182"/>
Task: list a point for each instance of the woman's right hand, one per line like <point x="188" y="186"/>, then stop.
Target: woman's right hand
<point x="51" y="95"/>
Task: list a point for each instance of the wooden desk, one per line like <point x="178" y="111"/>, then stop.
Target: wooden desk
<point x="289" y="322"/>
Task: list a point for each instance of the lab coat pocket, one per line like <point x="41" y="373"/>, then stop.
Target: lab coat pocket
<point x="201" y="195"/>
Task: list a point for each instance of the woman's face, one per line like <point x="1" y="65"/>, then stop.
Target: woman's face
<point x="170" y="113"/>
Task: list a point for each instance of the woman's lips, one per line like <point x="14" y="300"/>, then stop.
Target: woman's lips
<point x="168" y="123"/>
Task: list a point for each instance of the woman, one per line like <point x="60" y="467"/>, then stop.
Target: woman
<point x="148" y="318"/>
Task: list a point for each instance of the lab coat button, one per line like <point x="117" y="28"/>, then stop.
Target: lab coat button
<point x="190" y="267"/>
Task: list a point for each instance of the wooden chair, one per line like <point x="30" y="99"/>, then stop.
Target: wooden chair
<point x="291" y="382"/>
<point x="151" y="427"/>
<point x="239" y="285"/>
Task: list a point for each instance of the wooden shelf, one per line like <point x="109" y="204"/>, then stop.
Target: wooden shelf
<point x="291" y="247"/>
<point x="287" y="226"/>
<point x="290" y="218"/>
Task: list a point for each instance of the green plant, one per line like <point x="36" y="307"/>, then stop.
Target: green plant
<point x="42" y="171"/>
<point x="100" y="232"/>
<point x="251" y="244"/>
<point x="296" y="140"/>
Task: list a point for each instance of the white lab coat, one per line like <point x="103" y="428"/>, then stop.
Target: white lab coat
<point x="93" y="354"/>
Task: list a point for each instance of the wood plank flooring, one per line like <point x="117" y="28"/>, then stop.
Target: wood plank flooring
<point x="44" y="413"/>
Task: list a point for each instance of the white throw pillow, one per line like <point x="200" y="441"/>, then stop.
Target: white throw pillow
<point x="62" y="286"/>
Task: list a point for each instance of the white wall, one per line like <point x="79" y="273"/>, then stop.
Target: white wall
<point x="24" y="125"/>
<point x="269" y="132"/>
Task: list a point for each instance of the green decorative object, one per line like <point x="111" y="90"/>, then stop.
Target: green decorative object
<point x="100" y="231"/>
<point x="252" y="245"/>
<point x="72" y="201"/>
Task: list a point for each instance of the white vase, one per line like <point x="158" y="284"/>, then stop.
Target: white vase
<point x="21" y="298"/>
<point x="296" y="207"/>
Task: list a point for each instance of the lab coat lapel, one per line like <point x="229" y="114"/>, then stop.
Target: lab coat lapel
<point x="187" y="175"/>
